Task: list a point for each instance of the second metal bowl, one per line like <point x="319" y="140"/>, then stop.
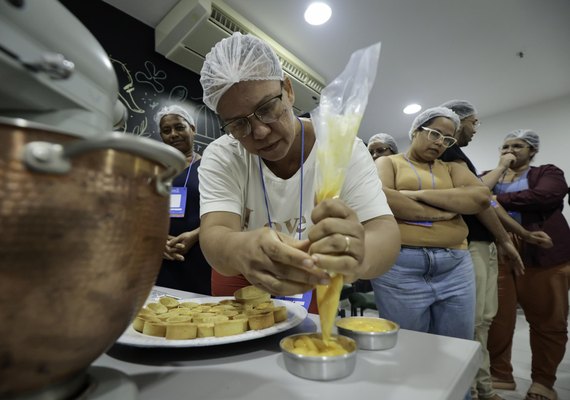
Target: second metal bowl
<point x="369" y="333"/>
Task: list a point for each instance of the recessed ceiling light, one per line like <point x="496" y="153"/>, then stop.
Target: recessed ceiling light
<point x="317" y="13"/>
<point x="412" y="108"/>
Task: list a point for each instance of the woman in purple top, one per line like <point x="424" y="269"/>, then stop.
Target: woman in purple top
<point x="534" y="197"/>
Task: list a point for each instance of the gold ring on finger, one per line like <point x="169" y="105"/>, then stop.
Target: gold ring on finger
<point x="347" y="247"/>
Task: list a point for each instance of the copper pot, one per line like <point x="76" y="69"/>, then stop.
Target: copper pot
<point x="83" y="222"/>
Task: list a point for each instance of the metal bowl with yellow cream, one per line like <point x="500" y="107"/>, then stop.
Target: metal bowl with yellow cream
<point x="369" y="333"/>
<point x="306" y="355"/>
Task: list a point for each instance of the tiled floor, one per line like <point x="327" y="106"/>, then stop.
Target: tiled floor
<point x="521" y="359"/>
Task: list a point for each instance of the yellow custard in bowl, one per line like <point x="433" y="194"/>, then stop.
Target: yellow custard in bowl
<point x="366" y="324"/>
<point x="369" y="333"/>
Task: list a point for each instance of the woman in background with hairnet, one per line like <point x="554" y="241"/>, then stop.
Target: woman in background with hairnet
<point x="381" y="145"/>
<point x="534" y="197"/>
<point x="431" y="287"/>
<point x="260" y="225"/>
<point x="184" y="266"/>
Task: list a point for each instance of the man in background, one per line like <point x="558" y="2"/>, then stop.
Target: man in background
<point x="482" y="248"/>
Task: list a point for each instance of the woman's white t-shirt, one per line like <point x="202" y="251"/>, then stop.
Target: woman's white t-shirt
<point x="230" y="181"/>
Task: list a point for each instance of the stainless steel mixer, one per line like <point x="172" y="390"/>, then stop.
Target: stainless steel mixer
<point x="83" y="210"/>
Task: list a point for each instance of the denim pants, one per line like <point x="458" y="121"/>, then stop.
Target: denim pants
<point x="429" y="290"/>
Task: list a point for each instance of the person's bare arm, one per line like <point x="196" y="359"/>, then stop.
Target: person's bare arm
<point x="382" y="246"/>
<point x="402" y="206"/>
<point x="538" y="238"/>
<point x="505" y="246"/>
<point x="370" y="250"/>
<point x="276" y="263"/>
<point x="468" y="196"/>
<point x="491" y="178"/>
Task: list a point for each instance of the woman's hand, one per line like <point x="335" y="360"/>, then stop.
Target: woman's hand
<point x="171" y="252"/>
<point x="507" y="253"/>
<point x="538" y="238"/>
<point x="506" y="160"/>
<point x="178" y="246"/>
<point x="278" y="263"/>
<point x="337" y="239"/>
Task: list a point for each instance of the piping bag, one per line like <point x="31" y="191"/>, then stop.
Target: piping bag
<point x="336" y="121"/>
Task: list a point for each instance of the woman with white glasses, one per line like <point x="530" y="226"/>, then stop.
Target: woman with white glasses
<point x="431" y="287"/>
<point x="534" y="196"/>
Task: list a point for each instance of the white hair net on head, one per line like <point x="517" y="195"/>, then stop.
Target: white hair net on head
<point x="432" y="113"/>
<point x="386" y="139"/>
<point x="462" y="108"/>
<point x="176" y="110"/>
<point x="235" y="59"/>
<point x="527" y="135"/>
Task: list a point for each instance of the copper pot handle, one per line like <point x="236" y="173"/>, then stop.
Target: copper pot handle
<point x="55" y="158"/>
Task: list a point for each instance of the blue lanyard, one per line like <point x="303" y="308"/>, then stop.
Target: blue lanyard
<point x="189" y="168"/>
<point x="301" y="196"/>
<point x="418" y="175"/>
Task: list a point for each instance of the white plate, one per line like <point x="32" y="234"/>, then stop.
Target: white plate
<point x="295" y="315"/>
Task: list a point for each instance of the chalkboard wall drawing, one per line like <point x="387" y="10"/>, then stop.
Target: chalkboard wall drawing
<point x="147" y="80"/>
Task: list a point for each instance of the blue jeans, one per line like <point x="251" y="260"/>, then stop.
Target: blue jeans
<point x="429" y="290"/>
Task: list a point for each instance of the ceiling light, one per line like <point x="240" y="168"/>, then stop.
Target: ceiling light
<point x="412" y="108"/>
<point x="317" y="13"/>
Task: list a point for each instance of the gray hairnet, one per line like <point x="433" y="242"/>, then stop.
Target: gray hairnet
<point x="431" y="113"/>
<point x="527" y="135"/>
<point x="462" y="108"/>
<point x="176" y="110"/>
<point x="386" y="139"/>
<point x="235" y="59"/>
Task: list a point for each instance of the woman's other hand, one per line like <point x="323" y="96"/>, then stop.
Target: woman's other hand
<point x="538" y="238"/>
<point x="337" y="239"/>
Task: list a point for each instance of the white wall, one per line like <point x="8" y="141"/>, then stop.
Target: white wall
<point x="550" y="120"/>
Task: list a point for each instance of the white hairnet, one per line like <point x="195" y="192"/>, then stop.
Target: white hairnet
<point x="432" y="113"/>
<point x="527" y="135"/>
<point x="462" y="108"/>
<point x="386" y="139"/>
<point x="176" y="110"/>
<point x="235" y="59"/>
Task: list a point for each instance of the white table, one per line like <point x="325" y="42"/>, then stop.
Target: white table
<point x="421" y="366"/>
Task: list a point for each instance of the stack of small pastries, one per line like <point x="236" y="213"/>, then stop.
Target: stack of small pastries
<point x="251" y="309"/>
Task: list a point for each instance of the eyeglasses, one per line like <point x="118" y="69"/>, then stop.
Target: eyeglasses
<point x="436" y="136"/>
<point x="268" y="112"/>
<point x="379" y="150"/>
<point x="515" y="147"/>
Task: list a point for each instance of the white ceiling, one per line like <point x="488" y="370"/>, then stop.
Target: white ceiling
<point x="432" y="50"/>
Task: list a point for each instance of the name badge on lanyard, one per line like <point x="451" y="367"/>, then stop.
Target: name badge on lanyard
<point x="178" y="195"/>
<point x="178" y="202"/>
